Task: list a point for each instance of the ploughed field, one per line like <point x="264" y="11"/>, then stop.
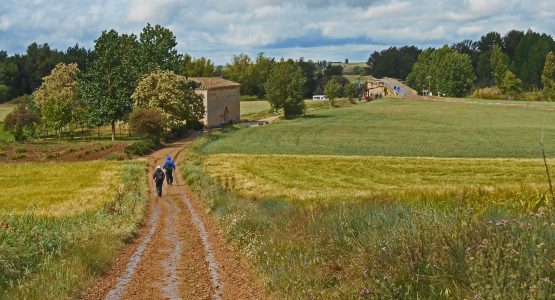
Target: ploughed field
<point x="61" y="223"/>
<point x="389" y="199"/>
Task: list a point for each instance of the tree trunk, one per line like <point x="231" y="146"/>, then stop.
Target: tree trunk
<point x="113" y="131"/>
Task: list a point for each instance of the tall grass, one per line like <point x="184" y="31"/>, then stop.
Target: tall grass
<point x="60" y="188"/>
<point x="343" y="178"/>
<point x="54" y="257"/>
<point x="386" y="249"/>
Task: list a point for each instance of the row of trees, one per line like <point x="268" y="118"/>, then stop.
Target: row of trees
<point x="253" y="73"/>
<point x="521" y="53"/>
<point x="127" y="72"/>
<point x="22" y="74"/>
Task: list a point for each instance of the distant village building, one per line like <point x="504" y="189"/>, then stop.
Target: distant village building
<point x="221" y="100"/>
<point x="375" y="88"/>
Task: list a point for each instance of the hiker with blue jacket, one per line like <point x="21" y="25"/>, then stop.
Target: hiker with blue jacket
<point x="159" y="180"/>
<point x="169" y="166"/>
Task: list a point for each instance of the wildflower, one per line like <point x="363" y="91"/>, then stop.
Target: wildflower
<point x="365" y="292"/>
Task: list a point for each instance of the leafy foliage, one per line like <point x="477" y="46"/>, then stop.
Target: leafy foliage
<point x="57" y="97"/>
<point x="450" y="72"/>
<point x="511" y="85"/>
<point x="499" y="64"/>
<point x="284" y="88"/>
<point x="530" y="56"/>
<point x="22" y="121"/>
<point x="548" y="77"/>
<point x="393" y="62"/>
<point x="201" y="67"/>
<point x="148" y="122"/>
<point x="332" y="90"/>
<point x="156" y="50"/>
<point x="109" y="83"/>
<point x="174" y="95"/>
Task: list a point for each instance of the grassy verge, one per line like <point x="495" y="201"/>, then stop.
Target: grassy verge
<point x="54" y="257"/>
<point x="384" y="250"/>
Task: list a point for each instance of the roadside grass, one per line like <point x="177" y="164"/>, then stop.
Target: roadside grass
<point x="58" y="189"/>
<point x="428" y="181"/>
<point x="386" y="249"/>
<point x="397" y="127"/>
<point x="55" y="257"/>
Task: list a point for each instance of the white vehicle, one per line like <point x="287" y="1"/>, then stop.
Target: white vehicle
<point x="319" y="97"/>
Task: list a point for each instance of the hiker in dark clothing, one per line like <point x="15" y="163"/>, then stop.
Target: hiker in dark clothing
<point x="159" y="180"/>
<point x="169" y="166"/>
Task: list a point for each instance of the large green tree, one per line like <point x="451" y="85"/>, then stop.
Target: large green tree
<point x="548" y="77"/>
<point x="529" y="58"/>
<point x="172" y="94"/>
<point x="156" y="50"/>
<point x="108" y="84"/>
<point x="284" y="88"/>
<point x="240" y="71"/>
<point x="448" y="71"/>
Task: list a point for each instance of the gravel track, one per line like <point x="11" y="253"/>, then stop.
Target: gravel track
<point x="180" y="252"/>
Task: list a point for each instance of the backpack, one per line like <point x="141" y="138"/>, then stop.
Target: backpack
<point x="167" y="166"/>
<point x="159" y="176"/>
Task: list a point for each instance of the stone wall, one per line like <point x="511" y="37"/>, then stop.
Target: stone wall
<point x="215" y="103"/>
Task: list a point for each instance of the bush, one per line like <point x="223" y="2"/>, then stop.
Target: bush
<point x="22" y="122"/>
<point x="142" y="147"/>
<point x="147" y="122"/>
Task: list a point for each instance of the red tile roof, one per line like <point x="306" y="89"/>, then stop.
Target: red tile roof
<point x="208" y="83"/>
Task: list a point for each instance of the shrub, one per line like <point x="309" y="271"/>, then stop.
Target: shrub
<point x="142" y="147"/>
<point x="22" y="122"/>
<point x="147" y="122"/>
<point x="21" y="150"/>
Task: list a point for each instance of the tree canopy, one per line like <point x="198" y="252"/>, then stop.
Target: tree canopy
<point x="174" y="95"/>
<point x="393" y="62"/>
<point x="284" y="88"/>
<point x="58" y="99"/>
<point x="108" y="84"/>
<point x="448" y="71"/>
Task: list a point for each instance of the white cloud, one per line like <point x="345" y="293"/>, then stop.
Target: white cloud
<point x="317" y="28"/>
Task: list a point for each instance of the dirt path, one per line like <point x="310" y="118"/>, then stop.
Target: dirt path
<point x="179" y="254"/>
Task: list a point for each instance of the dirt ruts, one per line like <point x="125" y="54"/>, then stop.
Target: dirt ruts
<point x="180" y="253"/>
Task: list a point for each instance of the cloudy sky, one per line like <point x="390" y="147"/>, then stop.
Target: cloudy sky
<point x="327" y="29"/>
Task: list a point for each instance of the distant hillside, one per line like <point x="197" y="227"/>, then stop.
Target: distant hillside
<point x="348" y="69"/>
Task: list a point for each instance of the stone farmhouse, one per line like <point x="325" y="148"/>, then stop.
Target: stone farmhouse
<point x="221" y="100"/>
